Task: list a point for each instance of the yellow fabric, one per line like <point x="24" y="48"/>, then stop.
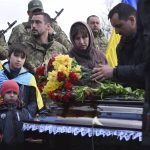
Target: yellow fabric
<point x="1" y="67"/>
<point x="111" y="49"/>
<point x="38" y="95"/>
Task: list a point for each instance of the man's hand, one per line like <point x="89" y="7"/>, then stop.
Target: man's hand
<point x="102" y="72"/>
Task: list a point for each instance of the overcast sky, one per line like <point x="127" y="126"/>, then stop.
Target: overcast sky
<point x="74" y="10"/>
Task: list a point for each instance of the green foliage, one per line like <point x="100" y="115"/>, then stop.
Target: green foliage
<point x="107" y="88"/>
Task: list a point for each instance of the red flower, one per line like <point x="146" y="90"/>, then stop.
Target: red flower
<point x="59" y="96"/>
<point x="61" y="76"/>
<point x="73" y="76"/>
<point x="68" y="85"/>
<point x="52" y="59"/>
<point x="52" y="95"/>
<point x="40" y="71"/>
<point x="67" y="97"/>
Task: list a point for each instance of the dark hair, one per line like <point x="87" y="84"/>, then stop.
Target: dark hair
<point x="78" y="28"/>
<point x="46" y="16"/>
<point x="123" y="10"/>
<point x="87" y="20"/>
<point x="21" y="49"/>
<point x="18" y="48"/>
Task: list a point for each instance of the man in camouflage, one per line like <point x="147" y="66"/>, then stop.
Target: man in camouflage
<point x="100" y="40"/>
<point x="41" y="45"/>
<point x="22" y="32"/>
<point x="3" y="47"/>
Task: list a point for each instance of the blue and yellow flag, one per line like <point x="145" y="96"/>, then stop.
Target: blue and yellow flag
<point x="131" y="2"/>
<point x="115" y="38"/>
<point x="25" y="79"/>
<point x="29" y="80"/>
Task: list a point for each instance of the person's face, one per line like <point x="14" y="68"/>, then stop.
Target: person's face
<point x="94" y="24"/>
<point x="38" y="26"/>
<point x="16" y="61"/>
<point x="123" y="27"/>
<point x="81" y="42"/>
<point x="10" y="97"/>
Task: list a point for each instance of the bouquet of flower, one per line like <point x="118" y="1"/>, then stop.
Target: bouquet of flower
<point x="58" y="80"/>
<point x="64" y="73"/>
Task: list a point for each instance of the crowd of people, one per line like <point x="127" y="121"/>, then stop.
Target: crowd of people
<point x="32" y="43"/>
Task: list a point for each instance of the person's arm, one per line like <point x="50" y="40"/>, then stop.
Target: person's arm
<point x="129" y="74"/>
<point x="3" y="48"/>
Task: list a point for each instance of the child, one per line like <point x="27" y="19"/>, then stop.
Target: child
<point x="14" y="69"/>
<point x="12" y="113"/>
<point x="9" y="92"/>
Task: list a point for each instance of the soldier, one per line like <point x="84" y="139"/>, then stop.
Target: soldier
<point x="21" y="32"/>
<point x="41" y="44"/>
<point x="100" y="40"/>
<point x="3" y="47"/>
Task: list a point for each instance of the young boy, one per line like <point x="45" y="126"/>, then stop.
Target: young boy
<point x="14" y="69"/>
<point x="9" y="93"/>
<point x="12" y="113"/>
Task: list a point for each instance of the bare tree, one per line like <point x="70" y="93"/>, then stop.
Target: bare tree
<point x="105" y="23"/>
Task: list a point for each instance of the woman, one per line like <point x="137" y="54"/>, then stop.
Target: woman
<point x="83" y="49"/>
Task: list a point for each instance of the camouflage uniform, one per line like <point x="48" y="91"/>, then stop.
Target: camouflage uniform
<point x="22" y="32"/>
<point x="60" y="35"/>
<point x="3" y="48"/>
<point x="100" y="41"/>
<point x="40" y="54"/>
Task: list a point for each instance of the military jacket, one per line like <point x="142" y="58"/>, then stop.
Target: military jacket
<point x="3" y="48"/>
<point x="100" y="42"/>
<point x="40" y="54"/>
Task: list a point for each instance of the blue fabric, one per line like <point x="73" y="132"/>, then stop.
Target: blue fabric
<point x="24" y="79"/>
<point x="131" y="2"/>
<point x="21" y="79"/>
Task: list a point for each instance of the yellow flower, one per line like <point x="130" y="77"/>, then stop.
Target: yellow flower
<point x="77" y="69"/>
<point x="53" y="83"/>
<point x="64" y="60"/>
<point x="65" y="64"/>
<point x="52" y="76"/>
<point x="51" y="86"/>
